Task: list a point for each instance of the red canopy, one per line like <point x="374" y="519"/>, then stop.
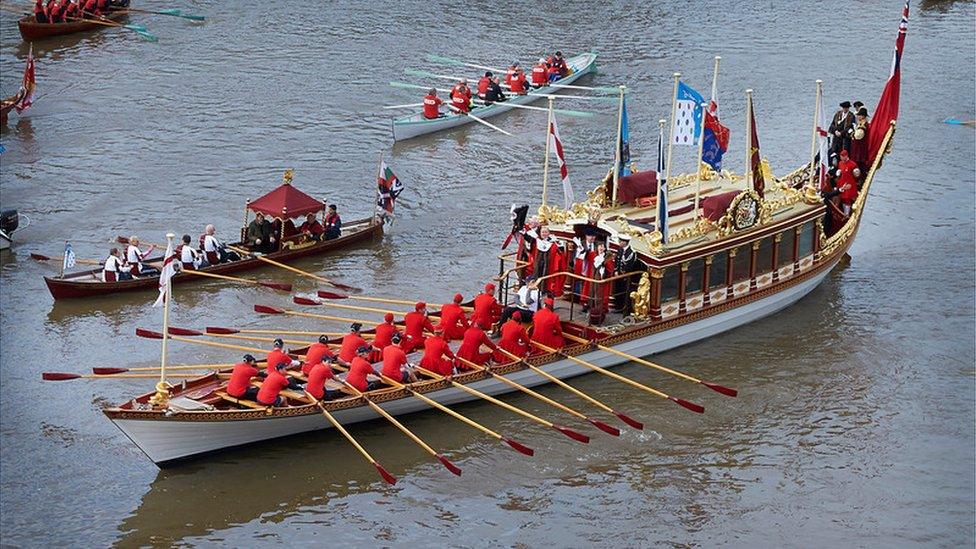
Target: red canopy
<point x="286" y="202"/>
<point x="637" y="185"/>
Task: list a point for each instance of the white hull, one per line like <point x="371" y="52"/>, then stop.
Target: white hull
<point x="164" y="441"/>
<point x="412" y="126"/>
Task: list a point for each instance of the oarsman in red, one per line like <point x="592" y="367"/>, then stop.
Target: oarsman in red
<point x="39" y="13"/>
<point x="395" y="364"/>
<point x="460" y="102"/>
<point x="359" y="368"/>
<point x="847" y="174"/>
<point x="553" y="73"/>
<point x="316" y="352"/>
<point x="487" y="310"/>
<point x="239" y="385"/>
<point x="317" y="376"/>
<point x="311" y="228"/>
<point x="483" y="84"/>
<point x="383" y="336"/>
<point x="414" y="326"/>
<point x="517" y="83"/>
<point x="470" y="349"/>
<point x="351" y="343"/>
<point x="514" y="339"/>
<point x="91" y="6"/>
<point x="453" y="320"/>
<point x="277" y="356"/>
<point x="270" y="392"/>
<point x="546" y="327"/>
<point x="540" y="73"/>
<point x="432" y="104"/>
<point x="438" y="356"/>
<point x="560" y="64"/>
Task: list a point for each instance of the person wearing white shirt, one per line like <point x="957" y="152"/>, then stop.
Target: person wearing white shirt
<point x="134" y="257"/>
<point x="526" y="301"/>
<point x="115" y="269"/>
<point x="190" y="258"/>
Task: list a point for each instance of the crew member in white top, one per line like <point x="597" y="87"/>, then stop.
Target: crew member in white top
<point x="526" y="301"/>
<point x="190" y="258"/>
<point x="214" y="250"/>
<point x="134" y="257"/>
<point x="115" y="269"/>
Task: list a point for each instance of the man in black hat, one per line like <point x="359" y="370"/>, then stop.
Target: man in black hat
<point x="859" y="141"/>
<point x="841" y="127"/>
<point x="626" y="262"/>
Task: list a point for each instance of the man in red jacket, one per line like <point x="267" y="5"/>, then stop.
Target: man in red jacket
<point x="316" y="352"/>
<point x="395" y="364"/>
<point x="516" y="82"/>
<point x="239" y="385"/>
<point x="317" y="376"/>
<point x="350" y="343"/>
<point x="514" y="339"/>
<point x="270" y="392"/>
<point x="435" y="351"/>
<point x="540" y="73"/>
<point x="414" y="325"/>
<point x="277" y="355"/>
<point x="453" y="320"/>
<point x="470" y="349"/>
<point x="487" y="310"/>
<point x="359" y="369"/>
<point x="484" y="84"/>
<point x="384" y="333"/>
<point x="847" y="174"/>
<point x="432" y="104"/>
<point x="547" y="328"/>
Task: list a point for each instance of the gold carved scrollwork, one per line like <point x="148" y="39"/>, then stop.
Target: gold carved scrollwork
<point x="641" y="298"/>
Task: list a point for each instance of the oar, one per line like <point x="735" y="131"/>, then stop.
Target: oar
<point x="275" y="311"/>
<point x="580" y="437"/>
<point x="519" y="447"/>
<point x="449" y="61"/>
<point x="333" y="295"/>
<point x="40" y="257"/>
<point x="306" y="301"/>
<point x="64" y="376"/>
<point x="267" y="284"/>
<point x="125" y="240"/>
<point x="680" y="401"/>
<point x="545" y="375"/>
<point x="335" y="423"/>
<point x="171" y="12"/>
<point x="220" y="330"/>
<point x="376" y="407"/>
<point x="138" y="29"/>
<point x="476" y="119"/>
<point x="713" y="386"/>
<point x="406" y="106"/>
<point x="149" y="334"/>
<point x="192" y="333"/>
<point x="297" y="271"/>
<point x="597" y="423"/>
<point x="958" y="122"/>
<point x="202" y="367"/>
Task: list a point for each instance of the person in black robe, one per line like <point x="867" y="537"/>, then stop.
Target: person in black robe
<point x="626" y="262"/>
<point x="841" y="127"/>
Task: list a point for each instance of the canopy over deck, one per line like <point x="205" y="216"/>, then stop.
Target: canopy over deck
<point x="286" y="202"/>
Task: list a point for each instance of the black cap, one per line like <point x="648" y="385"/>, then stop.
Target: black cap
<point x="858" y="104"/>
<point x="363" y="349"/>
<point x="279" y="343"/>
<point x="249" y="359"/>
<point x="488" y="74"/>
<point x="355" y="326"/>
<point x="323" y="339"/>
<point x="863" y="111"/>
<point x="396" y="338"/>
<point x="845" y="104"/>
<point x="281" y="366"/>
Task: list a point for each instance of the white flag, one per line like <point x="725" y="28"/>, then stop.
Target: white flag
<point x="69" y="257"/>
<point x="688" y="115"/>
<point x="823" y="142"/>
<point x="169" y="269"/>
<point x="557" y="145"/>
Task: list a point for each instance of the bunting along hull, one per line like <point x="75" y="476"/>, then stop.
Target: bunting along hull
<point x="32" y="30"/>
<point x="169" y="439"/>
<point x="416" y="125"/>
<point x="89" y="283"/>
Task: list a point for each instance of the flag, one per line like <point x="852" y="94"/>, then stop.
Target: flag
<point x="716" y="138"/>
<point x="623" y="146"/>
<point x="389" y="187"/>
<point x="169" y="269"/>
<point x="557" y="145"/>
<point x="887" y="110"/>
<point x="688" y="116"/>
<point x="755" y="163"/>
<point x="662" y="191"/>
<point x="69" y="257"/>
<point x="28" y="85"/>
<point x="518" y="215"/>
<point x="823" y="145"/>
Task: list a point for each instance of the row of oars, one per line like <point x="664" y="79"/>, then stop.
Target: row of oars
<point x="107" y="22"/>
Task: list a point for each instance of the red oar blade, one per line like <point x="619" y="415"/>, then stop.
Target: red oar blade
<point x="346" y="287"/>
<point x="450" y="466"/>
<point x="40" y="257"/>
<point x="519" y="447"/>
<point x="218" y="330"/>
<point x="304" y="301"/>
<point x="720" y="389"/>
<point x="275" y="285"/>
<point x="385" y="474"/>
<point x="610" y="429"/>
<point x="109" y="371"/>
<point x="148" y="333"/>
<point x="58" y="376"/>
<point x="572" y="434"/>
<point x="629" y="420"/>
<point x="268" y="310"/>
<point x="183" y="332"/>
<point x="325" y="294"/>
<point x="689" y="405"/>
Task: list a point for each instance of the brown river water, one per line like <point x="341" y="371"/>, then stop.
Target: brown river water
<point x="855" y="423"/>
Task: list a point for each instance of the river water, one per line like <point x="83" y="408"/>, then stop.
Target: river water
<point x="855" y="423"/>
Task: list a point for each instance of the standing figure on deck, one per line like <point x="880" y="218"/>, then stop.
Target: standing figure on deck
<point x="626" y="262"/>
<point x="134" y="257"/>
<point x="847" y="175"/>
<point x="514" y="339"/>
<point x="470" y="349"/>
<point x="115" y="268"/>
<point x="438" y="357"/>
<point x="432" y="105"/>
<point x="260" y="236"/>
<point x="859" y="141"/>
<point x="333" y="223"/>
<point x="487" y="310"/>
<point x="601" y="268"/>
<point x="547" y="327"/>
<point x="351" y="343"/>
<point x="582" y="249"/>
<point x="544" y="256"/>
<point x="840" y="128"/>
<point x="453" y="320"/>
<point x="414" y="326"/>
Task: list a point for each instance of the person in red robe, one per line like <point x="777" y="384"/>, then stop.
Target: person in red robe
<point x="414" y="326"/>
<point x="547" y="328"/>
<point x="277" y="355"/>
<point x="351" y="343"/>
<point x="597" y="294"/>
<point x="316" y="352"/>
<point x="395" y="365"/>
<point x="514" y="339"/>
<point x="546" y="260"/>
<point x="470" y="349"/>
<point x="560" y="259"/>
<point x="239" y="385"/>
<point x="438" y="357"/>
<point x="359" y="369"/>
<point x="859" y="140"/>
<point x="432" y="104"/>
<point x="487" y="310"/>
<point x="483" y="84"/>
<point x="453" y="320"/>
<point x="847" y="174"/>
<point x="383" y="336"/>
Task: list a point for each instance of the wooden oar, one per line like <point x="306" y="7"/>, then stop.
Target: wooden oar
<point x="275" y="311"/>
<point x="220" y="330"/>
<point x="63" y="376"/>
<point x="171" y="12"/>
<point x="335" y="423"/>
<point x="333" y="295"/>
<point x="680" y="401"/>
<point x="149" y="334"/>
<point x="201" y="367"/>
<point x="449" y="61"/>
<point x="125" y="240"/>
<point x="408" y="105"/>
<point x="476" y="119"/>
<point x="80" y="261"/>
<point x="138" y="29"/>
<point x="306" y="301"/>
<point x="597" y="423"/>
<point x="545" y="375"/>
<point x="376" y="407"/>
<point x="267" y="284"/>
<point x="713" y="386"/>
<point x="192" y="333"/>
<point x="580" y="437"/>
<point x="297" y="271"/>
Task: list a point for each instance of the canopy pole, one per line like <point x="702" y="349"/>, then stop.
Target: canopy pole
<point x="545" y="163"/>
<point x="618" y="154"/>
<point x="674" y="112"/>
<point x="813" y="140"/>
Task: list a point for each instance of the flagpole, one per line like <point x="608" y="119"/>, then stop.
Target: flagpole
<point x="813" y="141"/>
<point x="376" y="202"/>
<point x="64" y="259"/>
<point x="660" y="218"/>
<point x="674" y="112"/>
<point x="545" y="163"/>
<point x="618" y="152"/>
<point x="701" y="136"/>
<point x="162" y="388"/>
<point x="748" y="169"/>
<point x="718" y="59"/>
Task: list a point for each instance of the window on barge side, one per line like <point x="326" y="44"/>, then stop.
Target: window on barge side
<point x="740" y="266"/>
<point x="786" y="248"/>
<point x="669" y="284"/>
<point x="720" y="266"/>
<point x="693" y="278"/>
<point x="806" y="239"/>
<point x="764" y="259"/>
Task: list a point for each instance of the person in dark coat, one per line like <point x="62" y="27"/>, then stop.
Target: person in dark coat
<point x="260" y="236"/>
<point x="859" y="141"/>
<point x="841" y="128"/>
<point x="626" y="262"/>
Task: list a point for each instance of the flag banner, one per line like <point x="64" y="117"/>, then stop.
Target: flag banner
<point x="716" y="138"/>
<point x="623" y="146"/>
<point x="887" y="110"/>
<point x="28" y="84"/>
<point x="389" y="187"/>
<point x="688" y="116"/>
<point x="168" y="270"/>
<point x="518" y="216"/>
<point x="662" y="191"/>
<point x="69" y="257"/>
<point x="755" y="162"/>
<point x="823" y="146"/>
<point x="557" y="145"/>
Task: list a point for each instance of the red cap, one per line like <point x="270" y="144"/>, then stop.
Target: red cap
<point x="420" y="306"/>
<point x="489" y="288"/>
<point x="516" y="316"/>
<point x="388" y="317"/>
<point x="458" y="298"/>
<point x="549" y="301"/>
<point x="843" y="153"/>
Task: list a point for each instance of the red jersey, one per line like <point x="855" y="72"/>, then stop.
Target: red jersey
<point x="414" y="325"/>
<point x="317" y="378"/>
<point x="540" y="74"/>
<point x="460" y="102"/>
<point x="846" y="182"/>
<point x="351" y="342"/>
<point x="358" y="372"/>
<point x="483" y="86"/>
<point x="516" y="81"/>
<point x="547" y="328"/>
<point x="431" y="104"/>
<point x="470" y="348"/>
<point x="487" y="311"/>
<point x="384" y="335"/>
<point x="393" y="359"/>
<point x="435" y="348"/>
<point x="514" y="340"/>
<point x="271" y="388"/>
<point x="453" y="321"/>
<point x="240" y="379"/>
<point x="276" y="357"/>
<point x="316" y="352"/>
<point x="461" y="90"/>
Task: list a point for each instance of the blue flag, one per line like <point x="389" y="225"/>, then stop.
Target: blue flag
<point x="688" y="116"/>
<point x="623" y="146"/>
<point x="662" y="191"/>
